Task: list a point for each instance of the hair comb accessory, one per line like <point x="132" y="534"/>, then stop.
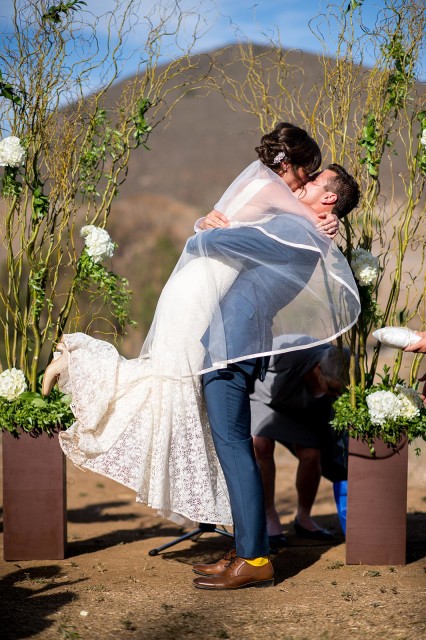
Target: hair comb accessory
<point x="280" y="157"/>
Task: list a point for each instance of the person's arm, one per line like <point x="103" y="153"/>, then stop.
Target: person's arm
<point x="226" y="242"/>
<point x="213" y="220"/>
<point x="238" y="242"/>
<point x="328" y="223"/>
<point x="420" y="345"/>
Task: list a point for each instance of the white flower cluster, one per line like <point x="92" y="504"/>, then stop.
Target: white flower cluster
<point x="98" y="242"/>
<point x="423" y="138"/>
<point x="382" y="406"/>
<point x="409" y="402"/>
<point x="12" y="153"/>
<point x="386" y="405"/>
<point x="365" y="266"/>
<point x="12" y="383"/>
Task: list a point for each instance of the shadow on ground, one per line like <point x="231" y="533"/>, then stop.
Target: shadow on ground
<point x="207" y="547"/>
<point x="99" y="513"/>
<point x="28" y="600"/>
<point x="303" y="553"/>
<point x="119" y="537"/>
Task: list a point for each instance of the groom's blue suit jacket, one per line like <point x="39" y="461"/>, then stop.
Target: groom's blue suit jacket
<point x="249" y="307"/>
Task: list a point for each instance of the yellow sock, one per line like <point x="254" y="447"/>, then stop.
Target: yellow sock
<point x="257" y="562"/>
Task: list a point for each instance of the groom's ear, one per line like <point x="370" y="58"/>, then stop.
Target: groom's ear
<point x="329" y="197"/>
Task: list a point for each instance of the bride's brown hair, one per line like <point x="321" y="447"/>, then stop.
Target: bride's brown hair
<point x="299" y="148"/>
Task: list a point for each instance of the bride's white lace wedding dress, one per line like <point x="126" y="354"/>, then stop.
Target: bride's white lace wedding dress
<point x="143" y="422"/>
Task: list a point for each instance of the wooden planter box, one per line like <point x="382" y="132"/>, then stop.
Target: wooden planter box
<point x="376" y="527"/>
<point x="34" y="498"/>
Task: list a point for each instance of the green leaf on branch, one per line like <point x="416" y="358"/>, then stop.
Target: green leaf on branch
<point x="8" y="91"/>
<point x="40" y="202"/>
<point x="10" y="186"/>
<point x="53" y="14"/>
<point x="37" y="285"/>
<point x="142" y="127"/>
<point x="111" y="288"/>
<point x="401" y="74"/>
<point x="369" y="142"/>
<point x="354" y="4"/>
<point x="104" y="141"/>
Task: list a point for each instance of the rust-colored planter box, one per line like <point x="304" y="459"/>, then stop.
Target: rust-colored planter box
<point x="34" y="498"/>
<point x="376" y="528"/>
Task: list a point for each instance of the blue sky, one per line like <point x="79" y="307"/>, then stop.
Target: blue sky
<point x="225" y="20"/>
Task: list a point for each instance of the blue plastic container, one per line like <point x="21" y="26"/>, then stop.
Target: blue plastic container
<point x="341" y="496"/>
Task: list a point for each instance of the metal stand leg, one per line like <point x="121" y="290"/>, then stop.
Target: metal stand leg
<point x="202" y="528"/>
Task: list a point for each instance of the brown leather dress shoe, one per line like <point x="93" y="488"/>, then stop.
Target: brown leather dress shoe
<point x="237" y="575"/>
<point x="217" y="567"/>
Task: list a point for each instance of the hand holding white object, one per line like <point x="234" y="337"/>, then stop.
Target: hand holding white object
<point x="418" y="347"/>
<point x="396" y="337"/>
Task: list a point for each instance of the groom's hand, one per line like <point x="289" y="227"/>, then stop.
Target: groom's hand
<point x="214" y="220"/>
<point x="328" y="224"/>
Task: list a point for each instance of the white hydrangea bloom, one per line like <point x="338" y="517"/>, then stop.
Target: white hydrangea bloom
<point x="12" y="153"/>
<point x="12" y="383"/>
<point x="382" y="405"/>
<point x="365" y="266"/>
<point x="423" y="138"/>
<point x="98" y="242"/>
<point x="409" y="402"/>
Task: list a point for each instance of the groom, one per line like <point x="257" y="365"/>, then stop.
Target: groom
<point x="227" y="391"/>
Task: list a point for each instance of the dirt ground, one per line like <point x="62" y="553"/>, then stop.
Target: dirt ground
<point x="109" y="587"/>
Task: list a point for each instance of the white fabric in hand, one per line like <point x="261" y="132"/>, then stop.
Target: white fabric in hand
<point x="396" y="337"/>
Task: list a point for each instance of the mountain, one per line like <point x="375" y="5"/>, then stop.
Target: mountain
<point x="195" y="155"/>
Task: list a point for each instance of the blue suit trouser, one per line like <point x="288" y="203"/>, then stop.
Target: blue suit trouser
<point x="227" y="392"/>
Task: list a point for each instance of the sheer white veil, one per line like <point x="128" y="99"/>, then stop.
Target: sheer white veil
<point x="268" y="276"/>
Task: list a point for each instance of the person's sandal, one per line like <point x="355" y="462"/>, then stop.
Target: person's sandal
<point x="317" y="534"/>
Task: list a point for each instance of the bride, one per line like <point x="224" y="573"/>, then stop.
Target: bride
<point x="142" y="421"/>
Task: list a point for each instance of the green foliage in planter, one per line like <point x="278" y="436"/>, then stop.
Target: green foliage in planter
<point x="362" y="423"/>
<point x="32" y="413"/>
<point x="358" y="424"/>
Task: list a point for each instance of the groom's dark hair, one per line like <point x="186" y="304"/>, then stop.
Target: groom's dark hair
<point x="346" y="189"/>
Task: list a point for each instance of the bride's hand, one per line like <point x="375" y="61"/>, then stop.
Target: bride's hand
<point x="214" y="220"/>
<point x="328" y="224"/>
